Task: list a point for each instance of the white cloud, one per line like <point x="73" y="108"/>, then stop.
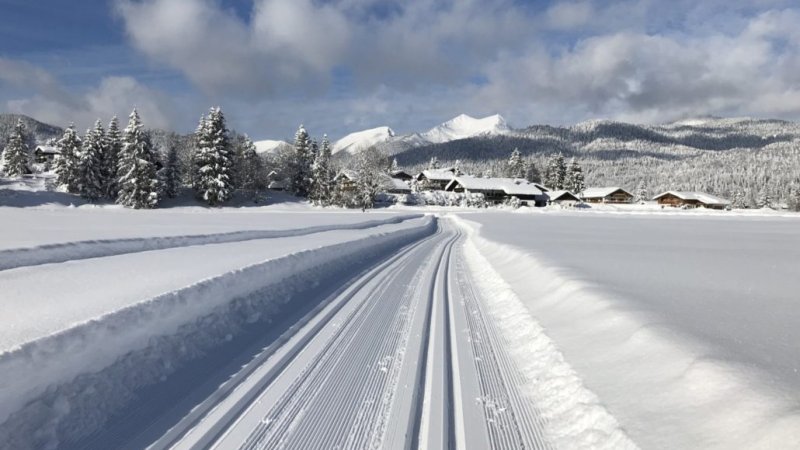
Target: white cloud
<point x="51" y="102"/>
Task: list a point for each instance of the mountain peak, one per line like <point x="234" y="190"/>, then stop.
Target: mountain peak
<point x="363" y="139"/>
<point x="464" y="126"/>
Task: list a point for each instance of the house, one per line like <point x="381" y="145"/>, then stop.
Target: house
<point x="691" y="200"/>
<point x="401" y="175"/>
<point x="614" y="195"/>
<point x="347" y="179"/>
<point x="436" y="179"/>
<point x="45" y="153"/>
<point x="498" y="190"/>
<point x="274" y="182"/>
<point x="563" y="198"/>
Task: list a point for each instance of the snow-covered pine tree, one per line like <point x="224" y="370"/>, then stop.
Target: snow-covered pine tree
<point x="67" y="167"/>
<point x="321" y="190"/>
<point x="92" y="183"/>
<point x="794" y="198"/>
<point x="137" y="177"/>
<point x="532" y="173"/>
<point x="738" y="201"/>
<point x="433" y="164"/>
<point x="111" y="159"/>
<point x="395" y="167"/>
<point x="214" y="160"/>
<point x="370" y="176"/>
<point x="251" y="172"/>
<point x="556" y="173"/>
<point x="641" y="193"/>
<point x="171" y="180"/>
<point x="764" y="200"/>
<point x="300" y="181"/>
<point x="15" y="156"/>
<point x="574" y="181"/>
<point x="515" y="165"/>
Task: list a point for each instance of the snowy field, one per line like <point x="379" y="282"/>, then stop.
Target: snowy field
<point x="296" y="327"/>
<point x="686" y="327"/>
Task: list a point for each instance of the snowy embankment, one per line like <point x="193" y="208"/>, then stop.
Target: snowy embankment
<point x="573" y="416"/>
<point x="671" y="372"/>
<point x="70" y="251"/>
<point x="61" y="387"/>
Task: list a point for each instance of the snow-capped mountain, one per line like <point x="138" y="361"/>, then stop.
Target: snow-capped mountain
<point x="270" y="146"/>
<point x="464" y="126"/>
<point x="460" y="127"/>
<point x="363" y="139"/>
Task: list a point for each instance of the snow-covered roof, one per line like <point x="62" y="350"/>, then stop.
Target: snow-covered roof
<point x="602" y="192"/>
<point x="510" y="186"/>
<point x="397" y="184"/>
<point x="47" y="149"/>
<point x="557" y="195"/>
<point x="702" y="197"/>
<point x="437" y="174"/>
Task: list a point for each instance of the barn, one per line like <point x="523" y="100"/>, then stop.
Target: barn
<point x="45" y="153"/>
<point x="685" y="199"/>
<point x="401" y="175"/>
<point x="613" y="195"/>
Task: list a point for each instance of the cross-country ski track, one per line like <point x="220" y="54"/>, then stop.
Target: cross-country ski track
<point x="399" y="354"/>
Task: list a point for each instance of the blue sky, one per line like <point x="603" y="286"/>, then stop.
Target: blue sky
<point x="344" y="65"/>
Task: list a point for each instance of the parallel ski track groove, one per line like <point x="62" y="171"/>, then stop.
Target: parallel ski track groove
<point x="274" y="434"/>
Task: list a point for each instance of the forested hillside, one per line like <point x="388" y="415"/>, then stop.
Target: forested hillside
<point x="756" y="158"/>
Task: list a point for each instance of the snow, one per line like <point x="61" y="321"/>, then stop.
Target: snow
<point x="61" y="329"/>
<point x="702" y="197"/>
<point x="267" y="146"/>
<point x="464" y="126"/>
<point x="511" y="186"/>
<point x="600" y="192"/>
<point x="359" y="140"/>
<point x="683" y="326"/>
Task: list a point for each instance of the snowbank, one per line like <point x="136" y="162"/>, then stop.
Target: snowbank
<point x="62" y="387"/>
<point x="68" y="251"/>
<point x="574" y="417"/>
<point x="662" y="388"/>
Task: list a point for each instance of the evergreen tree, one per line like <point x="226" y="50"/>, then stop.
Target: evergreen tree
<point x="251" y="173"/>
<point x="214" y="160"/>
<point x="556" y="173"/>
<point x="15" y="156"/>
<point x="641" y="193"/>
<point x="764" y="200"/>
<point x="395" y="167"/>
<point x="171" y="180"/>
<point x="111" y="159"/>
<point x="532" y="173"/>
<point x="433" y="164"/>
<point x="574" y="181"/>
<point x="300" y="181"/>
<point x="516" y="166"/>
<point x="738" y="201"/>
<point x="92" y="183"/>
<point x="794" y="198"/>
<point x="67" y="167"/>
<point x="321" y="191"/>
<point x="138" y="180"/>
<point x="370" y="176"/>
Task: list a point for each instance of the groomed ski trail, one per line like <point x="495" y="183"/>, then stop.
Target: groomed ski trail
<point x="404" y="357"/>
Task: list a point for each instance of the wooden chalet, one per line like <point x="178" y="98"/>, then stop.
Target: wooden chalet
<point x="613" y="195"/>
<point x="691" y="200"/>
<point x="401" y="175"/>
<point x="45" y="153"/>
<point x="436" y="179"/>
<point x="347" y="180"/>
<point x="562" y="198"/>
<point x="498" y="190"/>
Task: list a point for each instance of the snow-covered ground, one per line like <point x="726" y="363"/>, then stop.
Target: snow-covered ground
<point x="686" y="327"/>
<point x="287" y="325"/>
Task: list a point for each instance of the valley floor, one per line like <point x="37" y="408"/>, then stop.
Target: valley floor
<point x="303" y="328"/>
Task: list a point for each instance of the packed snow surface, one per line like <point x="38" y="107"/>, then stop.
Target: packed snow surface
<point x="685" y="327"/>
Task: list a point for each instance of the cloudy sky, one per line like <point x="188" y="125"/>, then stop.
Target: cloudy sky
<point x="344" y="65"/>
